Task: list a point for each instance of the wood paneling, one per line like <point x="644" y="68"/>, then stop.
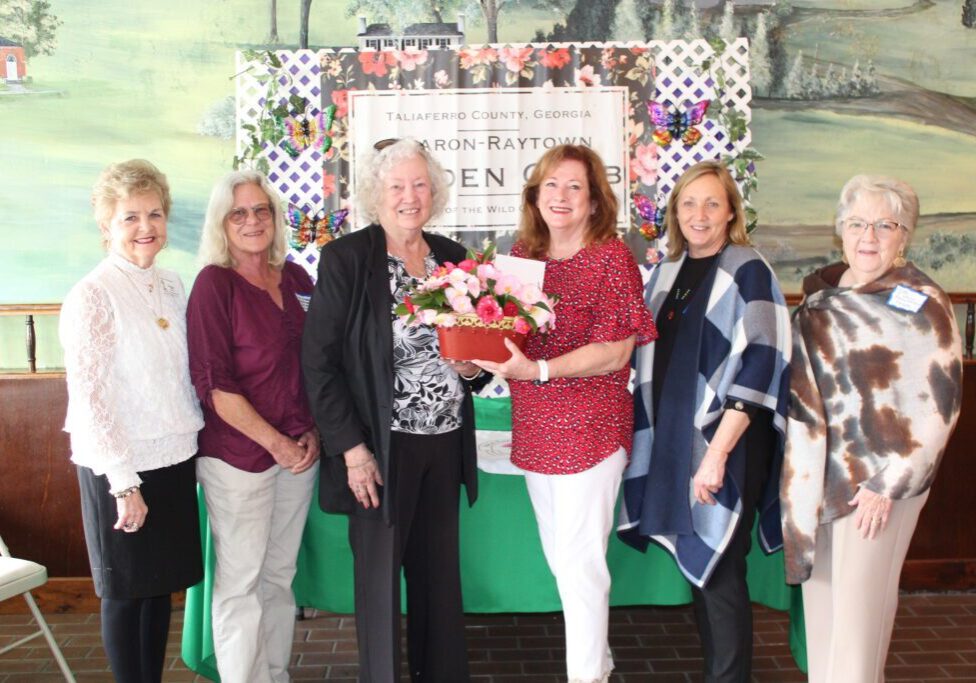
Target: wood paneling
<point x="40" y="515"/>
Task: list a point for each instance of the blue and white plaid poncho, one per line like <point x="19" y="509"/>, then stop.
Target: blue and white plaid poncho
<point x="743" y="355"/>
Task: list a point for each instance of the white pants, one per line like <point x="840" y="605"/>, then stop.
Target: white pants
<point x="850" y="599"/>
<point x="257" y="520"/>
<point x="575" y="517"/>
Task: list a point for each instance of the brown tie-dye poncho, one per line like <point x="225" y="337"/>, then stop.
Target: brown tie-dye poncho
<point x="875" y="394"/>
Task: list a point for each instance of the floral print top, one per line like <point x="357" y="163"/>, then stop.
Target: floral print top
<point x="427" y="394"/>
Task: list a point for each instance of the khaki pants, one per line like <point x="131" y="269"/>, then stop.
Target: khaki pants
<point x="850" y="600"/>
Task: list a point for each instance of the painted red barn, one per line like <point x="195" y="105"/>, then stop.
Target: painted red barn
<point x="13" y="64"/>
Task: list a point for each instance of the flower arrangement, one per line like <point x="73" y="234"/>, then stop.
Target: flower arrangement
<point x="475" y="293"/>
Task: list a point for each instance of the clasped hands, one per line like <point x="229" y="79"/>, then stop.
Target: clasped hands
<point x="296" y="455"/>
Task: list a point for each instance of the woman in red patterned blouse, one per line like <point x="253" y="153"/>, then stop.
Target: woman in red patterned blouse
<point x="572" y="416"/>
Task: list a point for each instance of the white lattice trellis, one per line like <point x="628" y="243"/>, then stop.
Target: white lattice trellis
<point x="680" y="81"/>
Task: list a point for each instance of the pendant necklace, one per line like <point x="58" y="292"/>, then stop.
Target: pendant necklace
<point x="154" y="300"/>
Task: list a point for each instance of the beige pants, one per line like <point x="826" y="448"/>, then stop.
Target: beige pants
<point x="850" y="600"/>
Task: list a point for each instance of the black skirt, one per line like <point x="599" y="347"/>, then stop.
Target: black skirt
<point x="164" y="555"/>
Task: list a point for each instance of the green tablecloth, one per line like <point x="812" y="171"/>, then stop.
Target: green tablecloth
<point x="502" y="566"/>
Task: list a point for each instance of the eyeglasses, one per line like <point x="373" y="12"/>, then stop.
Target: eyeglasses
<point x="261" y="213"/>
<point x="383" y="144"/>
<point x="883" y="228"/>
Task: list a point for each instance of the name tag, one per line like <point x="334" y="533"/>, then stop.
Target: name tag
<point x="303" y="300"/>
<point x="907" y="299"/>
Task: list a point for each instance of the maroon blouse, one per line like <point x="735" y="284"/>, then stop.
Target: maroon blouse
<point x="571" y="424"/>
<point x="242" y="343"/>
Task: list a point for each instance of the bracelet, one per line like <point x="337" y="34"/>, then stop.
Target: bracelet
<point x="543" y="372"/>
<point x="125" y="493"/>
<point x="362" y="464"/>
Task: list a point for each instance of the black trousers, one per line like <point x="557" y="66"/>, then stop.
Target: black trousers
<point x="722" y="608"/>
<point x="424" y="541"/>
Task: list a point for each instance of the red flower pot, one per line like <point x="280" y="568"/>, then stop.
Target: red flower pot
<point x="471" y="339"/>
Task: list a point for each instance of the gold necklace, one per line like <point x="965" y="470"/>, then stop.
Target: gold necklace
<point x="154" y="294"/>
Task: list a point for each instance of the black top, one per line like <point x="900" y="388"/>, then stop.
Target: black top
<point x="669" y="318"/>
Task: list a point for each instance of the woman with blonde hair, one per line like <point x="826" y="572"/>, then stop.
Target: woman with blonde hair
<point x="259" y="448"/>
<point x="710" y="409"/>
<point x="133" y="421"/>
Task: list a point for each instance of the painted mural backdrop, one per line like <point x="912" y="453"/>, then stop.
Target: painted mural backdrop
<point x="839" y="87"/>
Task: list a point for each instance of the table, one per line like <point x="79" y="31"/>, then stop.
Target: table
<point x="502" y="568"/>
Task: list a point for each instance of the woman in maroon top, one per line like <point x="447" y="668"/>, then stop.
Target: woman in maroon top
<point x="572" y="416"/>
<point x="259" y="448"/>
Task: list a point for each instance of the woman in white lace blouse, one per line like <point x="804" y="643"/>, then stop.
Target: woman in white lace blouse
<point x="133" y="420"/>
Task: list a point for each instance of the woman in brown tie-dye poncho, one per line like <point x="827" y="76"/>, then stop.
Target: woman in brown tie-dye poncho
<point x="876" y="391"/>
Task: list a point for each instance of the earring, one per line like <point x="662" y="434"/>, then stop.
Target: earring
<point x="900" y="261"/>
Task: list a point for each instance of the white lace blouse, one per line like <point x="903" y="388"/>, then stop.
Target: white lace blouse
<point x="131" y="406"/>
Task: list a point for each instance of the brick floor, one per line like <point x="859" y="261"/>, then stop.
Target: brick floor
<point x="934" y="640"/>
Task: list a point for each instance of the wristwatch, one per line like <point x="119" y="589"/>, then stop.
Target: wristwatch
<point x="543" y="373"/>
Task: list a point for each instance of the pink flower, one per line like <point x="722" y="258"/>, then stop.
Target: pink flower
<point x="427" y="316"/>
<point x="328" y="184"/>
<point x="586" y="77"/>
<point x="555" y="59"/>
<point x="474" y="56"/>
<point x="410" y="59"/>
<point x="441" y="79"/>
<point x="461" y="304"/>
<point x="376" y="62"/>
<point x="487" y="271"/>
<point x="508" y="284"/>
<point x="468" y="265"/>
<point x="445" y="320"/>
<point x="530" y="295"/>
<point x="522" y="326"/>
<point x="515" y="58"/>
<point x="340" y="98"/>
<point x="540" y="315"/>
<point x="644" y="164"/>
<point x="474" y="285"/>
<point x="488" y="310"/>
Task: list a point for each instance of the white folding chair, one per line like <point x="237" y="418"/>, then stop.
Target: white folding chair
<point x="19" y="577"/>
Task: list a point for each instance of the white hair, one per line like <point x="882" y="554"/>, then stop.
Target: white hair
<point x="369" y="188"/>
<point x="899" y="196"/>
<point x="214" y="248"/>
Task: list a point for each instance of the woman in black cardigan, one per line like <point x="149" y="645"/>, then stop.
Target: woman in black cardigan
<point x="397" y="422"/>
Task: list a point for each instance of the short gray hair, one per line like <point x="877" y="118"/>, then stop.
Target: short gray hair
<point x="369" y="188"/>
<point x="214" y="249"/>
<point x="898" y="194"/>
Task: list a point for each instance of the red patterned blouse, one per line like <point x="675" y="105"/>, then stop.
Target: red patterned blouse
<point x="571" y="424"/>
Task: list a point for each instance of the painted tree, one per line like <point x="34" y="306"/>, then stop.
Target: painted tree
<point x="665" y="29"/>
<point x="969" y="13"/>
<point x="587" y="21"/>
<point x="273" y="27"/>
<point x="856" y="83"/>
<point x="31" y="24"/>
<point x="760" y="67"/>
<point x="693" y="26"/>
<point x="306" y="8"/>
<point x="828" y="84"/>
<point x="726" y="29"/>
<point x="626" y="24"/>
<point x="870" y="80"/>
<point x="793" y="88"/>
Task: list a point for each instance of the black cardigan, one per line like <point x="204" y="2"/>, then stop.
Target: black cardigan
<point x="347" y="356"/>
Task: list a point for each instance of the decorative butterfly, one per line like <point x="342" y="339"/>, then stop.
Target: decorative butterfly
<point x="670" y="124"/>
<point x="305" y="131"/>
<point x="318" y="229"/>
<point x="653" y="215"/>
